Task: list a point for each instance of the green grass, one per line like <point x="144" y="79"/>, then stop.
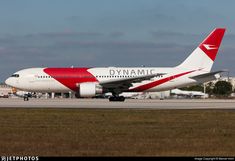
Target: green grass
<point x="117" y="132"/>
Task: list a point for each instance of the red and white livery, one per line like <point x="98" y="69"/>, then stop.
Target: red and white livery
<point x="88" y="82"/>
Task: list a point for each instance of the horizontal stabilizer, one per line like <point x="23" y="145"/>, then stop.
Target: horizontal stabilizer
<point x="207" y="76"/>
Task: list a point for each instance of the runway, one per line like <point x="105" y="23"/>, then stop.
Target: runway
<point x="128" y="104"/>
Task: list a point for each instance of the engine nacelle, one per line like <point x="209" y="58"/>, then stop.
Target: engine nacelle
<point x="89" y="89"/>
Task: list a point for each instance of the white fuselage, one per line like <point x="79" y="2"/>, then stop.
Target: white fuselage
<point x="36" y="80"/>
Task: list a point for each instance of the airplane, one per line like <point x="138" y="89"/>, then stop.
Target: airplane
<point x="89" y="82"/>
<point x="132" y="95"/>
<point x="190" y="94"/>
<point x="24" y="94"/>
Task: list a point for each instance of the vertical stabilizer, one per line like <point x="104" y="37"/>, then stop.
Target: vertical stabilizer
<point x="204" y="55"/>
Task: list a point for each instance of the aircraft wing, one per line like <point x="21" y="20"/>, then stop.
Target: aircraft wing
<point x="126" y="83"/>
<point x="207" y="76"/>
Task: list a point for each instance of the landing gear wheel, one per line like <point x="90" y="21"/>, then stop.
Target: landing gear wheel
<point x="26" y="98"/>
<point x="117" y="99"/>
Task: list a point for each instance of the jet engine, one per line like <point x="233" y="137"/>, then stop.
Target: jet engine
<point x="89" y="89"/>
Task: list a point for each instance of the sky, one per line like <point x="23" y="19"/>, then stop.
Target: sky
<point x="101" y="33"/>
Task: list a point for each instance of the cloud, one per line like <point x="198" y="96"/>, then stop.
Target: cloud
<point x="179" y="37"/>
<point x="73" y="18"/>
<point x="116" y="34"/>
<point x="58" y="49"/>
<point x="64" y="34"/>
<point x="7" y="40"/>
<point x="61" y="49"/>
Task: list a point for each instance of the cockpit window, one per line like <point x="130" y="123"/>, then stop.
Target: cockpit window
<point x="15" y="75"/>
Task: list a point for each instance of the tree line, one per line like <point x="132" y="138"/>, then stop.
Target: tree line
<point x="220" y="89"/>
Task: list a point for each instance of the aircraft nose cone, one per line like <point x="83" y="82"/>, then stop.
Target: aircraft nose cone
<point x="8" y="81"/>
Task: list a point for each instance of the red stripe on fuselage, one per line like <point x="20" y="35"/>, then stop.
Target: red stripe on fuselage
<point x="158" y="82"/>
<point x="70" y="77"/>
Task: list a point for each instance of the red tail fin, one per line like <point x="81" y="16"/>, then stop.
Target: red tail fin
<point x="211" y="44"/>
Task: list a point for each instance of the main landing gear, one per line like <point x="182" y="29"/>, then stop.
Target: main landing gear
<point x="117" y="99"/>
<point x="26" y="97"/>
